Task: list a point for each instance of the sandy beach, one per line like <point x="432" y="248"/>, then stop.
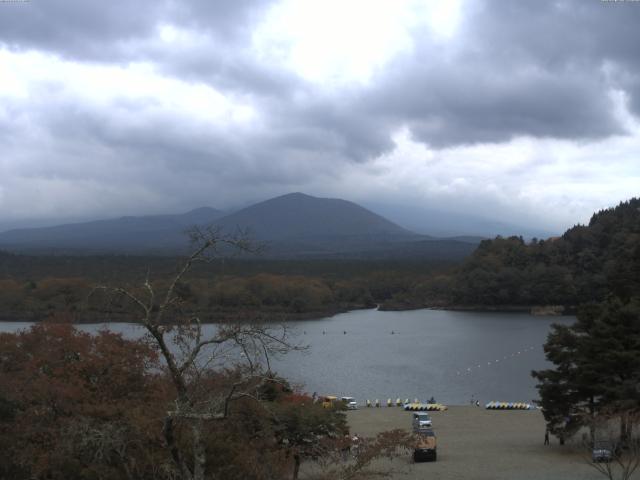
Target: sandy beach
<point x="475" y="443"/>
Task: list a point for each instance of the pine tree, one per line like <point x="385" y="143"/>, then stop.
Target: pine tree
<point x="597" y="369"/>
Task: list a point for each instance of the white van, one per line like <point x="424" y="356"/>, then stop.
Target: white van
<point x="350" y="403"/>
<point x="421" y="420"/>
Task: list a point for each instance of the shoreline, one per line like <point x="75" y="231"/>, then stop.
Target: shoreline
<point x="535" y="310"/>
<point x="284" y="317"/>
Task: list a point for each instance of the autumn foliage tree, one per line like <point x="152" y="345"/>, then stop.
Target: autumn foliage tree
<point x="75" y="405"/>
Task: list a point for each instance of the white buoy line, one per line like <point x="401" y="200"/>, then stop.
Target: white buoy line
<point x="472" y="368"/>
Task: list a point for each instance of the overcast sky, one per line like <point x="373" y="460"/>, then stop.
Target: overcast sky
<point x="524" y="111"/>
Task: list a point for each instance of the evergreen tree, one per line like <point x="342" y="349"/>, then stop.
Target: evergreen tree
<point x="597" y="369"/>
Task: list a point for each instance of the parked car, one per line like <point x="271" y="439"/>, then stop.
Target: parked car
<point x="350" y="403"/>
<point x="426" y="447"/>
<point x="420" y="421"/>
<point x="602" y="451"/>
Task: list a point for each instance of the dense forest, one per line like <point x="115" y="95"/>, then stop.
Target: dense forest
<point x="35" y="288"/>
<point x="585" y="264"/>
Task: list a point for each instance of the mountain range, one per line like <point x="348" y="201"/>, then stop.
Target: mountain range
<point x="292" y="225"/>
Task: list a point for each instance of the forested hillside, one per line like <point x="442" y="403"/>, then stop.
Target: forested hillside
<point x="585" y="264"/>
<point x="41" y="287"/>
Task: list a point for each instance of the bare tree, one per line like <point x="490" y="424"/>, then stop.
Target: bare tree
<point x="191" y="355"/>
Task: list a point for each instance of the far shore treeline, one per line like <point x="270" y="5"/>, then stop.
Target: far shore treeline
<point x="585" y="264"/>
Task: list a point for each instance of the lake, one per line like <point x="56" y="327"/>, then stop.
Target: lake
<point x="452" y="356"/>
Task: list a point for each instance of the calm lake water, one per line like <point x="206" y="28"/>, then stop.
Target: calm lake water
<point x="449" y="355"/>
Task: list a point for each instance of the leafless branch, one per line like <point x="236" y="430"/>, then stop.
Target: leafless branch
<point x="197" y="401"/>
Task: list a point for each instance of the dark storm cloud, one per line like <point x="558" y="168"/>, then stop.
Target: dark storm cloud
<point x="77" y="28"/>
<point x="464" y="104"/>
<point x="594" y="38"/>
<point x="335" y="127"/>
<point x="524" y="68"/>
<point x="227" y="19"/>
<point x="111" y="30"/>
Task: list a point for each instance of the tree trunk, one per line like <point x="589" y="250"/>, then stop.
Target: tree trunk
<point x="592" y="422"/>
<point x="624" y="430"/>
<point x="296" y="466"/>
<point x="199" y="451"/>
<point x="169" y="438"/>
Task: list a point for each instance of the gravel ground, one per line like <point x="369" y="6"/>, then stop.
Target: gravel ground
<point x="474" y="443"/>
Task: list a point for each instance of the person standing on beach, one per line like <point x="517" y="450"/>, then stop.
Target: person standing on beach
<point x="546" y="437"/>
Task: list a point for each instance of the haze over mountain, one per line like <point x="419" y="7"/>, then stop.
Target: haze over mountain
<point x="438" y="223"/>
<point x="290" y="225"/>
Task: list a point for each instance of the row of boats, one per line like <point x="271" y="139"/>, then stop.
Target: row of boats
<point x="425" y="407"/>
<point x="508" y="406"/>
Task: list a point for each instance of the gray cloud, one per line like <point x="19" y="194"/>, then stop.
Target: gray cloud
<point x="536" y="69"/>
<point x="524" y="68"/>
<point x="110" y="30"/>
<point x="75" y="28"/>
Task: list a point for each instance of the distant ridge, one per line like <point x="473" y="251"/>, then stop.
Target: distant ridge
<point x="153" y="232"/>
<point x="294" y="225"/>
